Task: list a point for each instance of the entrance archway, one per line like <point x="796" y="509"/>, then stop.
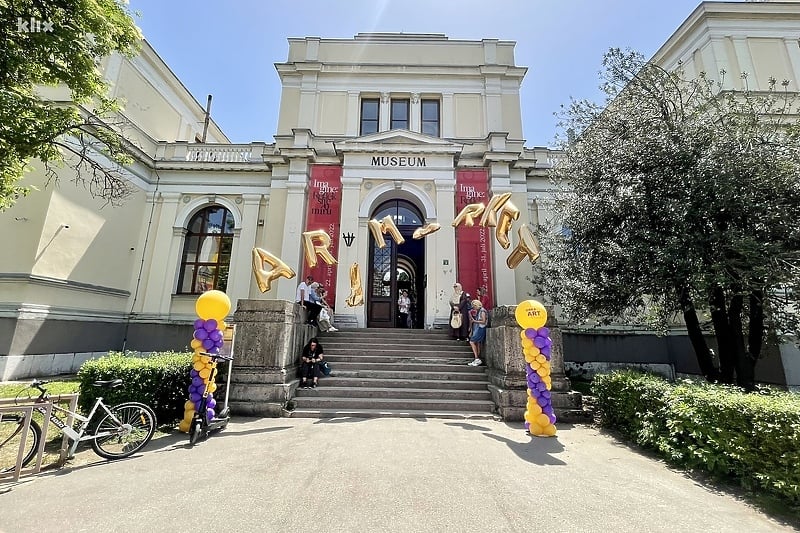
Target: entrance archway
<point x="395" y="268"/>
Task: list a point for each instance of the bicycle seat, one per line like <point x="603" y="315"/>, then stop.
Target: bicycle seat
<point x="109" y="384"/>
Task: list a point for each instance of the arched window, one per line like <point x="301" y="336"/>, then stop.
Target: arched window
<point x="402" y="212"/>
<point x="207" y="251"/>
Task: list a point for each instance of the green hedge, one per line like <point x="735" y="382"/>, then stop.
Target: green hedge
<point x="159" y="380"/>
<point x="752" y="438"/>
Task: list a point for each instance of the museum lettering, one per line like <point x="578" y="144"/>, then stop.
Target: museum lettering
<point x="398" y="161"/>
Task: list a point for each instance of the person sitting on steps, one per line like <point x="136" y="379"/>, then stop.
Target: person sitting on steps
<point x="310" y="360"/>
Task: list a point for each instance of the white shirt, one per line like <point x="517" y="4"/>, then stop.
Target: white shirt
<point x="299" y="296"/>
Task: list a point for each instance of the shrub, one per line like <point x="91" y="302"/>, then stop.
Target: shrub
<point x="752" y="438"/>
<point x="159" y="380"/>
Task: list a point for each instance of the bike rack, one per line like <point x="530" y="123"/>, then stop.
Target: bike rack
<point x="28" y="407"/>
<point x="9" y="406"/>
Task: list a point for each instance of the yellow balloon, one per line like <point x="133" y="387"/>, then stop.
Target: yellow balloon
<point x="530" y="359"/>
<point x="536" y="429"/>
<point x="204" y="372"/>
<point x="542" y="419"/>
<point x="550" y="430"/>
<point x="184" y="426"/>
<point x="527" y="343"/>
<point x="196" y="343"/>
<point x="213" y="304"/>
<point x="529" y="417"/>
<point x="541" y="359"/>
<point x="198" y="365"/>
<point x="212" y="387"/>
<point x="522" y="335"/>
<point x="189" y="405"/>
<point x="530" y="314"/>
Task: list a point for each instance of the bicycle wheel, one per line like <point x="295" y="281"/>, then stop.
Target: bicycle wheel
<point x="196" y="431"/>
<point x="10" y="437"/>
<point x="138" y="423"/>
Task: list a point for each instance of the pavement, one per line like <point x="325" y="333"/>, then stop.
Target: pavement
<point x="365" y="475"/>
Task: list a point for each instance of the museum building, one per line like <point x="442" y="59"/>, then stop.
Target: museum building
<point x="413" y="127"/>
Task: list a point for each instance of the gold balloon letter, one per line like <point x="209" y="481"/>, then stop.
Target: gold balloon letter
<point x="265" y="278"/>
<point x="356" y="292"/>
<point x="386" y="225"/>
<point x="526" y="247"/>
<point x="508" y="214"/>
<point x="496" y="202"/>
<point x="427" y="229"/>
<point x="468" y="215"/>
<point x="312" y="250"/>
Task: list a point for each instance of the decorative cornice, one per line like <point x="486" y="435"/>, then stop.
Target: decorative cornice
<point x="16" y="277"/>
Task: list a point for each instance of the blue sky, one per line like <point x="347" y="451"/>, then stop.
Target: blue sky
<point x="228" y="48"/>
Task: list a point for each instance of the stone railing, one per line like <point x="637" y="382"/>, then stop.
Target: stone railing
<point x="212" y="152"/>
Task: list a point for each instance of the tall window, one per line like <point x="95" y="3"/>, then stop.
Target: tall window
<point x="430" y="117"/>
<point x="207" y="251"/>
<point x="370" y="113"/>
<point x="399" y="115"/>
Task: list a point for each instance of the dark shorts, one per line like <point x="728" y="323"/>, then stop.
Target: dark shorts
<point x="479" y="335"/>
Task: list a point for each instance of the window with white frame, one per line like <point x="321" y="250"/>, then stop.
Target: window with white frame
<point x="205" y="262"/>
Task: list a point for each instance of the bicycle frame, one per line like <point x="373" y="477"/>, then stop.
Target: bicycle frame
<point x="76" y="437"/>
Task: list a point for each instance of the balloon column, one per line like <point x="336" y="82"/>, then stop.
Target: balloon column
<point x="540" y="419"/>
<point x="212" y="307"/>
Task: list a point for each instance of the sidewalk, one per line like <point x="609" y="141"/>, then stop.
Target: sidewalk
<point x="366" y="475"/>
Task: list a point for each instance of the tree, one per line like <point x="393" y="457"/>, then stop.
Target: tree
<point x="680" y="197"/>
<point x="51" y="43"/>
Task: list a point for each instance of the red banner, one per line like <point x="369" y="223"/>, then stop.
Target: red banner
<point x="324" y="212"/>
<point x="473" y="245"/>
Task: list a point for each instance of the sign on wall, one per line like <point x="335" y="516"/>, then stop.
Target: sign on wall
<point x="323" y="213"/>
<point x="473" y="244"/>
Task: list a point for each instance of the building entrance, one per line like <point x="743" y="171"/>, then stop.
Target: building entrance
<point x="395" y="268"/>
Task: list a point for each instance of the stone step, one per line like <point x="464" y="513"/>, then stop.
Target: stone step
<point x="385" y="413"/>
<point x="343" y="339"/>
<point x="439" y="384"/>
<point x="459" y="367"/>
<point x="365" y="360"/>
<point x="410" y="349"/>
<point x="326" y="391"/>
<point x="393" y="404"/>
<point x="387" y="333"/>
<point x="413" y="375"/>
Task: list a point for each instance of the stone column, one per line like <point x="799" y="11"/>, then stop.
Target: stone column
<point x="506" y="369"/>
<point x="270" y="335"/>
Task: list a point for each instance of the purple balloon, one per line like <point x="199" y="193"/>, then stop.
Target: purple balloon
<point x="542" y="401"/>
<point x="211" y="324"/>
<point x="212" y="403"/>
<point x="534" y="392"/>
<point x="195" y="397"/>
<point x="199" y="323"/>
<point x="546" y="351"/>
<point x="197" y="381"/>
<point x="539" y="342"/>
<point x="552" y="417"/>
<point x="192" y="388"/>
<point x="208" y="344"/>
<point x="197" y="405"/>
<point x="215" y="335"/>
<point x="536" y="378"/>
<point x="219" y="343"/>
<point x="541" y="386"/>
<point x="548" y="410"/>
<point x="529" y="370"/>
<point x="214" y="350"/>
<point x="547" y="342"/>
<point x="200" y="334"/>
<point x="546" y="393"/>
<point x="194" y="373"/>
<point x="530" y="333"/>
<point x="209" y="414"/>
<point x="544" y="331"/>
<point x="527" y="425"/>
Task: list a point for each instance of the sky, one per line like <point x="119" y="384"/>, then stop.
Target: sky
<point x="229" y="48"/>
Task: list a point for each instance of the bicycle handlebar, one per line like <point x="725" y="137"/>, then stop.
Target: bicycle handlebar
<point x="217" y="356"/>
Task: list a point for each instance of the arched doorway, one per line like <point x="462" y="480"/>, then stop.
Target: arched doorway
<point x="395" y="268"/>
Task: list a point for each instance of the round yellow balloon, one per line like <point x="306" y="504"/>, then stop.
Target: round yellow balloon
<point x="530" y="314"/>
<point x="188" y="406"/>
<point x="198" y="365"/>
<point x="542" y="419"/>
<point x="204" y="372"/>
<point x="213" y="304"/>
<point x="550" y="430"/>
<point x="196" y="343"/>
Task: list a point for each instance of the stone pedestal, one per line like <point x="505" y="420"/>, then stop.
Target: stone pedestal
<point x="270" y="335"/>
<point x="506" y="368"/>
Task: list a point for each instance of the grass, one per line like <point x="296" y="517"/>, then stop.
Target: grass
<point x="23" y="390"/>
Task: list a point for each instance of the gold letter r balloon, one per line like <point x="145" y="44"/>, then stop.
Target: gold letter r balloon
<point x="311" y="250"/>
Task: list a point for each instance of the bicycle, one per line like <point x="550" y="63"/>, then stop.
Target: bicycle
<point x="202" y="424"/>
<point x="124" y="430"/>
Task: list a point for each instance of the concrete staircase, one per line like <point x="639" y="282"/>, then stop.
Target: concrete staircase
<point x="396" y="373"/>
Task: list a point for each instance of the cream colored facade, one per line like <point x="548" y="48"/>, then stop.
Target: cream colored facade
<point x="84" y="278"/>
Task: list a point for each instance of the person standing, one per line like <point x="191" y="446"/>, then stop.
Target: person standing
<point x="310" y="360"/>
<point x="478" y="335"/>
<point x="459" y="317"/>
<point x="404" y="303"/>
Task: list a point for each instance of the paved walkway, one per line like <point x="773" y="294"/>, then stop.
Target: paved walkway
<point x="367" y="475"/>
